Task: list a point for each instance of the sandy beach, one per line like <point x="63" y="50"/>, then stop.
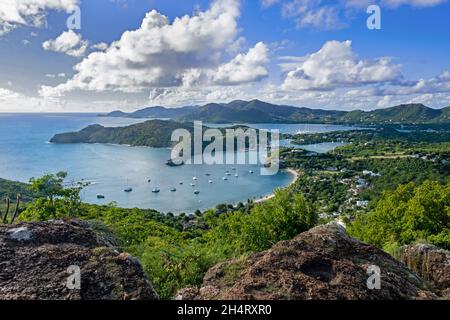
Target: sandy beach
<point x="295" y="175"/>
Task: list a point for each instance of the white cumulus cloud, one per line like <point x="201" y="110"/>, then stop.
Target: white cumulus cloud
<point x="68" y="42"/>
<point x="187" y="52"/>
<point x="335" y="65"/>
<point x="245" y="68"/>
<point x="102" y="46"/>
<point x="14" y="13"/>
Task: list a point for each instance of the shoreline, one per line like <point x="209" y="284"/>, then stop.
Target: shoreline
<point x="295" y="175"/>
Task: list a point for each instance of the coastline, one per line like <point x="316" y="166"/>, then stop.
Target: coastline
<point x="295" y="175"/>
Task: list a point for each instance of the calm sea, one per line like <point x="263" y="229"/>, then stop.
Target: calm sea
<point x="25" y="152"/>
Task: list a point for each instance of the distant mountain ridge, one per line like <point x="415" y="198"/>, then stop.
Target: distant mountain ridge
<point x="257" y="111"/>
<point x="155" y="112"/>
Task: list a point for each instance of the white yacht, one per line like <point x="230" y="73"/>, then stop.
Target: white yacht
<point x="156" y="190"/>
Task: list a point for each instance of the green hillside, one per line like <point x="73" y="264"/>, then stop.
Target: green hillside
<point x="257" y="111"/>
<point x="153" y="133"/>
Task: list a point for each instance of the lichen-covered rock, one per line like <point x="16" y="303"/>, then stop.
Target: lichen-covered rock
<point x="40" y="261"/>
<point x="431" y="263"/>
<point x="323" y="263"/>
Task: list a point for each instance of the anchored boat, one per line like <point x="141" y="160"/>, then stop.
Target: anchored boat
<point x="171" y="163"/>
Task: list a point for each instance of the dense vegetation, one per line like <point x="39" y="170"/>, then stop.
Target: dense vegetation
<point x="378" y="135"/>
<point x="256" y="111"/>
<point x="10" y="189"/>
<point x="409" y="214"/>
<point x="177" y="251"/>
<point x="390" y="190"/>
<point x="394" y="172"/>
<point x="409" y="113"/>
<point x="153" y="133"/>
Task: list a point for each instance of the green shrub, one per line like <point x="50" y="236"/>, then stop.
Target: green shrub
<point x="407" y="215"/>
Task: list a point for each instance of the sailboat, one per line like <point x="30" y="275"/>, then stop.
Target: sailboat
<point x="156" y="190"/>
<point x="194" y="183"/>
<point x="128" y="189"/>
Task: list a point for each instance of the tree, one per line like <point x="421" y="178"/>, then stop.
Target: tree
<point x="407" y="215"/>
<point x="50" y="185"/>
<point x="56" y="200"/>
<point x="281" y="218"/>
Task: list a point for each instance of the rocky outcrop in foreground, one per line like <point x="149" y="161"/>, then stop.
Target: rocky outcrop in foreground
<point x="323" y="263"/>
<point x="431" y="263"/>
<point x="40" y="261"/>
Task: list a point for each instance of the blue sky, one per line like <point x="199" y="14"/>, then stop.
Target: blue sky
<point x="311" y="53"/>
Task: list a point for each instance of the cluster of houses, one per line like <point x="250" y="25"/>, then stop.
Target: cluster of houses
<point x="357" y="184"/>
<point x="429" y="157"/>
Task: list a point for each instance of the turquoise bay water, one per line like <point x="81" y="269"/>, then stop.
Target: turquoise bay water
<point x="25" y="152"/>
<point x="292" y="128"/>
<point x="317" y="147"/>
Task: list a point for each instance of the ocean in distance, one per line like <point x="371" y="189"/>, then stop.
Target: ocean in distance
<point x="25" y="152"/>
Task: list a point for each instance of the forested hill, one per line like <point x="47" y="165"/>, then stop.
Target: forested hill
<point x="153" y="133"/>
<point x="407" y="114"/>
<point x="257" y="111"/>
